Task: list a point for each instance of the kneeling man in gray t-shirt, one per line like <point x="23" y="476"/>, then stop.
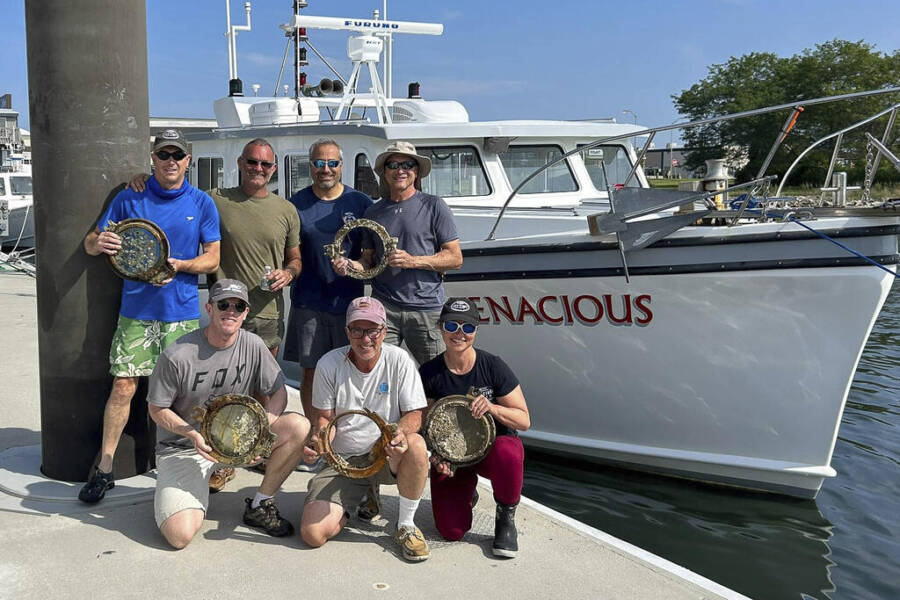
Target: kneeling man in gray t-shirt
<point x="219" y="359"/>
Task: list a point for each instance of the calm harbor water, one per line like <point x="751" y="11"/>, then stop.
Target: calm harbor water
<point x="843" y="545"/>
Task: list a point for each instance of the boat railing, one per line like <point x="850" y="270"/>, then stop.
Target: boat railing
<point x="838" y="136"/>
<point x="796" y="107"/>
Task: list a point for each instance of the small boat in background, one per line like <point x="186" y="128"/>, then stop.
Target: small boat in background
<point x="16" y="200"/>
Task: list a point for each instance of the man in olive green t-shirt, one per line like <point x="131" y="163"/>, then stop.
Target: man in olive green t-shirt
<point x="260" y="233"/>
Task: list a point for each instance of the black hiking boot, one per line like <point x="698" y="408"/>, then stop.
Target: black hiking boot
<point x="505" y="536"/>
<point x="95" y="489"/>
<point x="266" y="517"/>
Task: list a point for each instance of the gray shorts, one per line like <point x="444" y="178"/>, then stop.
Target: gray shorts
<point x="182" y="482"/>
<point x="270" y="330"/>
<point x="418" y="329"/>
<point x="330" y="486"/>
<point x="315" y="333"/>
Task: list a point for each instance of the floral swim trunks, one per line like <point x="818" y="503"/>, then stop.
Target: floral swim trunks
<point x="137" y="344"/>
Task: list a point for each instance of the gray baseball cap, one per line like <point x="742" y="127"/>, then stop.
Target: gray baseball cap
<point x="228" y="288"/>
<point x="169" y="137"/>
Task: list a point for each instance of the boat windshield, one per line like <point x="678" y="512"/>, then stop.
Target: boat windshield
<point x="618" y="166"/>
<point x="455" y="172"/>
<point x="20" y="185"/>
<point x="522" y="161"/>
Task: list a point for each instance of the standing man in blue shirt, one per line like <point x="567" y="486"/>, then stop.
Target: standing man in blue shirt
<point x="319" y="296"/>
<point x="153" y="316"/>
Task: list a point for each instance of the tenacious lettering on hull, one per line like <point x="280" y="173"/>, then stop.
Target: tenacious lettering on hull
<point x="584" y="309"/>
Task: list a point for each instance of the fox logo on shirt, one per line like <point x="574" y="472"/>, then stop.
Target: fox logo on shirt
<point x="232" y="376"/>
<point x="349" y="217"/>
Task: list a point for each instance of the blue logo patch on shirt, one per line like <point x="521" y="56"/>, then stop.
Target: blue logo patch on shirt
<point x="383" y="387"/>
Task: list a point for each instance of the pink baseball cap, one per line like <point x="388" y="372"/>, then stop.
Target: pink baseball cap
<point x="366" y="308"/>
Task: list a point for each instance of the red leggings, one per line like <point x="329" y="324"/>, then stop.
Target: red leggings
<point x="451" y="497"/>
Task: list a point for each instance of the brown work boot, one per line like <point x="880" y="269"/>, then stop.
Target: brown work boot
<point x="219" y="478"/>
<point x="413" y="543"/>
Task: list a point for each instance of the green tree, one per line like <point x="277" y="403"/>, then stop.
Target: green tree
<point x="757" y="80"/>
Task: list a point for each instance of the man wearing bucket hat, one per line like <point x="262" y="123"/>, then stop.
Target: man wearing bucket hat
<point x="411" y="287"/>
<point x="152" y="316"/>
<point x="222" y="358"/>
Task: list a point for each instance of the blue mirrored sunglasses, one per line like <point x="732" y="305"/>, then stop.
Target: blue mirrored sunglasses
<point x="453" y="326"/>
<point x="320" y="163"/>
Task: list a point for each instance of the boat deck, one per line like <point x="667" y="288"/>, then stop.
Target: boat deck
<point x="54" y="546"/>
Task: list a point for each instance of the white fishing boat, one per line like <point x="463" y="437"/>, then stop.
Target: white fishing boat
<point x="16" y="200"/>
<point x="654" y="329"/>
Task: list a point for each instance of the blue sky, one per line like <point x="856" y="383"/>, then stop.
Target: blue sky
<point x="565" y="59"/>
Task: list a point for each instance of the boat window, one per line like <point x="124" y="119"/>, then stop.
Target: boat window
<point x="2" y="187"/>
<point x="617" y="163"/>
<point x="210" y="173"/>
<point x="364" y="178"/>
<point x="522" y="161"/>
<point x="296" y="169"/>
<point x="455" y="172"/>
<point x="20" y="185"/>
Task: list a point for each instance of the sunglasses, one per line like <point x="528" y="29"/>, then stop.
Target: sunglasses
<point x="453" y="327"/>
<point x="254" y="163"/>
<point x="406" y="164"/>
<point x="166" y="155"/>
<point x="320" y="163"/>
<point x="239" y="305"/>
<point x="358" y="332"/>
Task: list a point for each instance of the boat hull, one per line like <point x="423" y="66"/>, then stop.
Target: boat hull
<point x="20" y="233"/>
<point x="727" y="357"/>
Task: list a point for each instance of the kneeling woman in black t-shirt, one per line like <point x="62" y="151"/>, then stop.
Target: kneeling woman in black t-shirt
<point x="458" y="369"/>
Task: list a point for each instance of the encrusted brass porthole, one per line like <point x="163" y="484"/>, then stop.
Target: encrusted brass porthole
<point x="388" y="243"/>
<point x="236" y="428"/>
<point x="364" y="465"/>
<point x="144" y="255"/>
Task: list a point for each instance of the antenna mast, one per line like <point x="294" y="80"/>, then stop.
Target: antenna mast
<point x="235" y="87"/>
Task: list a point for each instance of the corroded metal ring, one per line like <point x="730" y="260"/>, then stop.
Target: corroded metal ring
<point x="236" y="428"/>
<point x="389" y="244"/>
<point x="377" y="455"/>
<point x="454" y="435"/>
<point x="144" y="255"/>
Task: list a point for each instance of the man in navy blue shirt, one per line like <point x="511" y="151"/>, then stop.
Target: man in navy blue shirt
<point x="153" y="316"/>
<point x="319" y="296"/>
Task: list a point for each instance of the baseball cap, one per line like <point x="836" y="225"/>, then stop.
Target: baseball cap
<point x="461" y="310"/>
<point x="228" y="288"/>
<point x="169" y="137"/>
<point x="366" y="308"/>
